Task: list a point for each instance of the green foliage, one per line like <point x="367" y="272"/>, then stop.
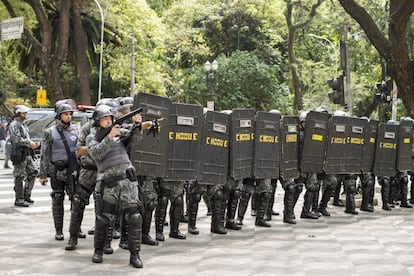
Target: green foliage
<point x="244" y="81"/>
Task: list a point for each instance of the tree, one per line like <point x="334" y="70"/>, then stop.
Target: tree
<point x="51" y="53"/>
<point x="302" y="17"/>
<point x="394" y="49"/>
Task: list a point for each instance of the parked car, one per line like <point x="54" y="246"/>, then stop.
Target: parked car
<point x="39" y="119"/>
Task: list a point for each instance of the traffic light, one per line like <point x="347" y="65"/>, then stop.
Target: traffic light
<point x="337" y="96"/>
<point x="384" y="89"/>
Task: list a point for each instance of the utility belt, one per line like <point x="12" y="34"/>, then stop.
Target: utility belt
<point x="89" y="167"/>
<point x="111" y="181"/>
<point x="60" y="165"/>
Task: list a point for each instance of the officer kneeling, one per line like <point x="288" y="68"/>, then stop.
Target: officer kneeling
<point x="117" y="187"/>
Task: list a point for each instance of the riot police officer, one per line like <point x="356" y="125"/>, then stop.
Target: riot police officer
<point x="116" y="188"/>
<point x="86" y="185"/>
<point x="21" y="149"/>
<point x="311" y="181"/>
<point x="169" y="191"/>
<point x="58" y="157"/>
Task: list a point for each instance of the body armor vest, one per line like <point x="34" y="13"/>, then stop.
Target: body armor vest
<point x="58" y="152"/>
<point x="115" y="157"/>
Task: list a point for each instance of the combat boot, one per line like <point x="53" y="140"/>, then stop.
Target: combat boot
<point x="160" y="213"/>
<point x="216" y="221"/>
<point x="21" y="203"/>
<point x="100" y="233"/>
<point x="254" y="203"/>
<point x="27" y="196"/>
<point x="107" y="246"/>
<point x="175" y="215"/>
<point x="306" y="213"/>
<point x="72" y="243"/>
<point x="57" y="211"/>
<point x="243" y="203"/>
<point x="231" y="212"/>
<point x="134" y="240"/>
<point x="262" y="207"/>
<point x="288" y="201"/>
<point x="123" y="241"/>
<point x="192" y="216"/>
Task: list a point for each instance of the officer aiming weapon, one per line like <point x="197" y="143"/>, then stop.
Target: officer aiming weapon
<point x="103" y="132"/>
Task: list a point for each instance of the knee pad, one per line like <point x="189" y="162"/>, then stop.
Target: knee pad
<point x="57" y="195"/>
<point x="195" y="197"/>
<point x="218" y="195"/>
<point x="134" y="219"/>
<point x="163" y="201"/>
<point x="352" y="189"/>
<point x="290" y="188"/>
<point x="178" y="202"/>
<point x="150" y="206"/>
<point x="236" y="194"/>
<point x="385" y="182"/>
<point x="78" y="202"/>
<point x="102" y="220"/>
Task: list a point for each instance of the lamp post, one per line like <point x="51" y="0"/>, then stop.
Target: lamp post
<point x="211" y="80"/>
<point x="101" y="52"/>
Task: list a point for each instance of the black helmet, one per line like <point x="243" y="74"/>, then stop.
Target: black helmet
<point x="126" y="101"/>
<point x="63" y="108"/>
<point x="20" y="109"/>
<point x="102" y="111"/>
<point x="109" y="102"/>
<point x="392" y="122"/>
<point x="65" y="101"/>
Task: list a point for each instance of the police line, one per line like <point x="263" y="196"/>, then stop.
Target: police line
<point x="208" y="146"/>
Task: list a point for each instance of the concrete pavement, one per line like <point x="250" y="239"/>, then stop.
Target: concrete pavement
<point x="379" y="243"/>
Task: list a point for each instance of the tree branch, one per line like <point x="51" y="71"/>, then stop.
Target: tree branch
<point x="377" y="38"/>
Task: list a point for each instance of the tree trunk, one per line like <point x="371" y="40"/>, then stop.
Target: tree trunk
<point x="297" y="102"/>
<point x="395" y="49"/>
<point x="81" y="62"/>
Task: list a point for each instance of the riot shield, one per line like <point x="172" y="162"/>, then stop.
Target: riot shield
<point x="355" y="145"/>
<point x="214" y="149"/>
<point x="404" y="145"/>
<point x="336" y="147"/>
<point x="289" y="157"/>
<point x="266" y="145"/>
<point x="386" y="150"/>
<point x="149" y="155"/>
<point x="241" y="143"/>
<point x="185" y="126"/>
<point x="368" y="150"/>
<point x="316" y="133"/>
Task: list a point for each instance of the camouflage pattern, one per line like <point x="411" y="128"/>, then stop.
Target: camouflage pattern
<point x="258" y="186"/>
<point x="124" y="194"/>
<point x="176" y="188"/>
<point x="19" y="136"/>
<point x="87" y="177"/>
<point x="263" y="186"/>
<point x="149" y="193"/>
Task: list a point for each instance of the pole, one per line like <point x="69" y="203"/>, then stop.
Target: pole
<point x="132" y="92"/>
<point x="101" y="51"/>
<point x="394" y="93"/>
<point x="347" y="71"/>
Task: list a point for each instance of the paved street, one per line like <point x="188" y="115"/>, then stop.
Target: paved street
<point x="366" y="244"/>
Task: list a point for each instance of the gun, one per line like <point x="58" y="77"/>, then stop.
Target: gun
<point x="103" y="132"/>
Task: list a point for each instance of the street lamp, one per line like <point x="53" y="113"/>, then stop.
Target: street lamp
<point x="335" y="48"/>
<point x="211" y="80"/>
<point x="101" y="52"/>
